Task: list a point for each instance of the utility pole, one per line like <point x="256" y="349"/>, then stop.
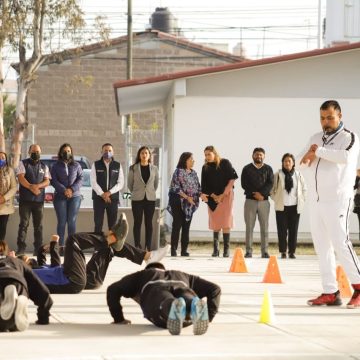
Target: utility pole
<point x="129" y="63"/>
<point x="319" y="37"/>
<point x="129" y="42"/>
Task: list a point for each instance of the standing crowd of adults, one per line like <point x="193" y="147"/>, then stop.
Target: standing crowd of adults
<point x="216" y="189"/>
<point x="330" y="157"/>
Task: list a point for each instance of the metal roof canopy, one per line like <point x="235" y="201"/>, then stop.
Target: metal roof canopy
<point x="142" y="97"/>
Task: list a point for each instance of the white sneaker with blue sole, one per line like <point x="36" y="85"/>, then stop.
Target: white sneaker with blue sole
<point x="176" y="316"/>
<point x="199" y="316"/>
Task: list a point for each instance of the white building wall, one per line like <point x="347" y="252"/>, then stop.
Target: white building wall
<point x="342" y="21"/>
<point x="236" y="125"/>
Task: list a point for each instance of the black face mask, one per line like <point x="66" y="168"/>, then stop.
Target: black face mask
<point x="35" y="156"/>
<point x="65" y="155"/>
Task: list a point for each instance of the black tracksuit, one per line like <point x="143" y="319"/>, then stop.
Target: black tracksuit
<point x="155" y="290"/>
<point x="79" y="274"/>
<point x="16" y="272"/>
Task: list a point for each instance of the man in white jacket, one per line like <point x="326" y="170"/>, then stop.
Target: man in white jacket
<point x="332" y="159"/>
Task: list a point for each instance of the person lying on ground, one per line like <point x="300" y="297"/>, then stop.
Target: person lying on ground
<point x="18" y="284"/>
<point x="75" y="275"/>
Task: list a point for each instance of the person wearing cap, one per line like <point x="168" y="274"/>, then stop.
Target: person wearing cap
<point x="18" y="284"/>
<point x="169" y="299"/>
<point x="75" y="275"/>
<point x="257" y="180"/>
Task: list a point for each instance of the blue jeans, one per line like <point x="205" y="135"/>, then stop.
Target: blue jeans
<point x="66" y="212"/>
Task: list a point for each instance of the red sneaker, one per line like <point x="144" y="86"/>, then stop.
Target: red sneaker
<point x="326" y="299"/>
<point x="354" y="301"/>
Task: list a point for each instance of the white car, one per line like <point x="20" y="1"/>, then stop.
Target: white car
<point x="86" y="192"/>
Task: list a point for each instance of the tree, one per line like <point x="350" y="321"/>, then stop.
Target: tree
<point x="30" y="27"/>
<point x="5" y="30"/>
<point x="9" y="113"/>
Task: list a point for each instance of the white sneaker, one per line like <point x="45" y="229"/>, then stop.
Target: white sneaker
<point x="21" y="313"/>
<point x="8" y="303"/>
<point x="158" y="255"/>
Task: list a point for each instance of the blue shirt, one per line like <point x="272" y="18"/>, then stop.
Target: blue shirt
<point x="52" y="275"/>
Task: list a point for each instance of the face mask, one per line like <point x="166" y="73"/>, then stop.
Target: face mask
<point x="35" y="156"/>
<point x="2" y="163"/>
<point x="65" y="155"/>
<point x="107" y="155"/>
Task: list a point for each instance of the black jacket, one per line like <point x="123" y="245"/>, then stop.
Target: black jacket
<point x="17" y="270"/>
<point x="215" y="179"/>
<point x="138" y="285"/>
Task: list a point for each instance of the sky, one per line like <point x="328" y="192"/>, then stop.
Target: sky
<point x="265" y="28"/>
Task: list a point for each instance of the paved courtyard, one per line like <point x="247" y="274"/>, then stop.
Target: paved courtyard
<point x="80" y="324"/>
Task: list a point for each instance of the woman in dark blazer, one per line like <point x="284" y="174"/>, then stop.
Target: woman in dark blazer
<point x="66" y="178"/>
<point x="143" y="180"/>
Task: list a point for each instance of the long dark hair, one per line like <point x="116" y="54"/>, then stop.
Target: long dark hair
<point x="182" y="160"/>
<point x="62" y="147"/>
<point x="288" y="155"/>
<point x="138" y="159"/>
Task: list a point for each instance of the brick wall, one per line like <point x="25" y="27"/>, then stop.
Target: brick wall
<point x="63" y="109"/>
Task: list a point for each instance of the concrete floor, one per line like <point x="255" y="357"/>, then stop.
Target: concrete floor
<point x="80" y="324"/>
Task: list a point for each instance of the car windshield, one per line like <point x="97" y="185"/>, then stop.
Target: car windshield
<point x="86" y="178"/>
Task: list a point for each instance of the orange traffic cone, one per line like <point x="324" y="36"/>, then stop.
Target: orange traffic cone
<point x="343" y="282"/>
<point x="238" y="262"/>
<point x="272" y="273"/>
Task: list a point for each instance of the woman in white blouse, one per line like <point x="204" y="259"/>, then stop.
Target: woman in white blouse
<point x="288" y="193"/>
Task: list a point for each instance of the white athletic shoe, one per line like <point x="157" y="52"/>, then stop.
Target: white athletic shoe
<point x="8" y="303"/>
<point x="21" y="313"/>
<point x="158" y="255"/>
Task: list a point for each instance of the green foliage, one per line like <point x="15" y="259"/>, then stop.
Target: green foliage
<point x="77" y="82"/>
<point x="9" y="112"/>
<point x="28" y="24"/>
